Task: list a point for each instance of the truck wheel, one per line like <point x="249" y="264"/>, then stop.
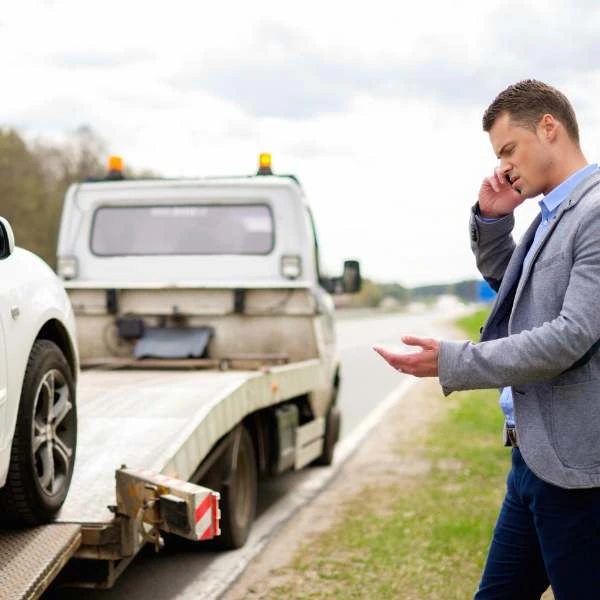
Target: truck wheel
<point x="238" y="493"/>
<point x="43" y="445"/>
<point x="332" y="435"/>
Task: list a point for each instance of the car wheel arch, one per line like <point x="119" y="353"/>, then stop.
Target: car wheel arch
<point x="54" y="331"/>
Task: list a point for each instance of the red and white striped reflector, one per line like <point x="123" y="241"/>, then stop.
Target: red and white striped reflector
<point x="208" y="517"/>
<point x="202" y="504"/>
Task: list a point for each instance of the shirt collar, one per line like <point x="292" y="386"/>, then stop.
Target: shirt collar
<point x="550" y="203"/>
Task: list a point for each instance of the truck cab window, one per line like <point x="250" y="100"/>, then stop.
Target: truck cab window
<point x="182" y="229"/>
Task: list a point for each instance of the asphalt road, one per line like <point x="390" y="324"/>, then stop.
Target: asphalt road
<point x="184" y="573"/>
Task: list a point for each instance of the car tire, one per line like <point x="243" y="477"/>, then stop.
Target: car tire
<point x="238" y="492"/>
<point x="44" y="442"/>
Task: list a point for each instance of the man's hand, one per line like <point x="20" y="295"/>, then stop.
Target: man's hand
<point x="419" y="364"/>
<point x="496" y="196"/>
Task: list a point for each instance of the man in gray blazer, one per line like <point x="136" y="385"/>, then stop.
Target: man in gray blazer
<point x="538" y="345"/>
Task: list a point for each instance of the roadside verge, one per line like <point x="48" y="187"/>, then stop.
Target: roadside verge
<point x="390" y="456"/>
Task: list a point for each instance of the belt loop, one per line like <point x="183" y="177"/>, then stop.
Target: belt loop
<point x="509" y="436"/>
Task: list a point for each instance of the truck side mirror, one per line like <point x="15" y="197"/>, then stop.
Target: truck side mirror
<point x="7" y="239"/>
<point x="351" y="279"/>
<point x="349" y="283"/>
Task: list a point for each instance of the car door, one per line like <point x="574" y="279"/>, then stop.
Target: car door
<point x="3" y="359"/>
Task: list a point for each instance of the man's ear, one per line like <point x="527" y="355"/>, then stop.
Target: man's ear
<point x="548" y="127"/>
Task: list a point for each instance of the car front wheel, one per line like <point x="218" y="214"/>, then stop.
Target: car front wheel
<point x="43" y="447"/>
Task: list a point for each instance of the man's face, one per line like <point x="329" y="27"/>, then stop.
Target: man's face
<point x="524" y="156"/>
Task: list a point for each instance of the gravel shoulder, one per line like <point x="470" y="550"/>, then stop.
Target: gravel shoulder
<point x="392" y="452"/>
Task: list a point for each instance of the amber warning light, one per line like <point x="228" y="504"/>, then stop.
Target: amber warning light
<point x="264" y="165"/>
<point x="115" y="168"/>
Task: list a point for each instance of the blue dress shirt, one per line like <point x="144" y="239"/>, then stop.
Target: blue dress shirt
<point x="549" y="206"/>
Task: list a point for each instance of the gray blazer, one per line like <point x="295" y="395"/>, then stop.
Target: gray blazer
<point x="541" y="329"/>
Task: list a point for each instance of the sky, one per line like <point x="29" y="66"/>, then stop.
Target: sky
<point x="376" y="106"/>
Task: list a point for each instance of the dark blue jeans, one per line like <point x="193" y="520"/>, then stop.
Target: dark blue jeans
<point x="545" y="535"/>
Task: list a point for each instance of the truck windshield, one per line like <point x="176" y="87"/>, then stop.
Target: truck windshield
<point x="182" y="229"/>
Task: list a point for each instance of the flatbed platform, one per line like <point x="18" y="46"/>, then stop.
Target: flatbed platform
<point x="163" y="421"/>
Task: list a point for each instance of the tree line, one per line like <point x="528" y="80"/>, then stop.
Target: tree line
<point x="34" y="177"/>
<point x="374" y="294"/>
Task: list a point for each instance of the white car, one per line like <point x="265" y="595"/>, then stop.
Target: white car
<point x="38" y="371"/>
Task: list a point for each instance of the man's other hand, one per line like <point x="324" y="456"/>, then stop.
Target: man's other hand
<point x="419" y="364"/>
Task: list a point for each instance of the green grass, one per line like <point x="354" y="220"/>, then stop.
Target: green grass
<point x="427" y="539"/>
<point x="471" y="324"/>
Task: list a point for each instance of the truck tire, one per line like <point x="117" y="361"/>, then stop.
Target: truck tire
<point x="238" y="493"/>
<point x="332" y="435"/>
<point x="43" y="446"/>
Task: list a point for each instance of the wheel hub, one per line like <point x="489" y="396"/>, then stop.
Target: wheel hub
<point x="53" y="432"/>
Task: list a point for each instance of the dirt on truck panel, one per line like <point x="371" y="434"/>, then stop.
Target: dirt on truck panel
<point x="31" y="558"/>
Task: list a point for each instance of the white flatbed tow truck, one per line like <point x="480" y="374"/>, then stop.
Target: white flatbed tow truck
<point x="205" y="366"/>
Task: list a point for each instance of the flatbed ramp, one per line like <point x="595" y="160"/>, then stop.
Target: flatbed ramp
<point x="32" y="558"/>
<point x="137" y="419"/>
<point x="165" y="422"/>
